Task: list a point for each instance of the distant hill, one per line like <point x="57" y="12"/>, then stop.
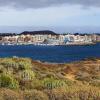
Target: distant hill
<point x="29" y="32"/>
<point x="39" y="32"/>
<point x="8" y="34"/>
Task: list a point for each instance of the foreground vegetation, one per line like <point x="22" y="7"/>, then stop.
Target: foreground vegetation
<point x="25" y="79"/>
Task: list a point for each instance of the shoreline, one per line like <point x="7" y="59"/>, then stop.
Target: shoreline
<point x="55" y="63"/>
<point x="51" y="54"/>
<point x="68" y="44"/>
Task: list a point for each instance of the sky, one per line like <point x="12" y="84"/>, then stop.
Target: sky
<point x="57" y="15"/>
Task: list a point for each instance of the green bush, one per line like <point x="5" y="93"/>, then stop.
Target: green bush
<point x="16" y="63"/>
<point x="8" y="81"/>
<point x="8" y="62"/>
<point x="24" y="65"/>
<point x="27" y="75"/>
<point x="50" y="83"/>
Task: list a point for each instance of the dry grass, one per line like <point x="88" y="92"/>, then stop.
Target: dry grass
<point x="46" y="81"/>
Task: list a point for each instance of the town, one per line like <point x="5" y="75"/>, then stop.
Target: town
<point x="48" y="38"/>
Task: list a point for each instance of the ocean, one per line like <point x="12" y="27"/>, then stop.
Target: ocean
<point x="53" y="54"/>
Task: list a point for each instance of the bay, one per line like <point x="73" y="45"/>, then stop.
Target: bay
<point x="54" y="54"/>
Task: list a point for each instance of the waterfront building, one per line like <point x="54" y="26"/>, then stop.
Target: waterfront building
<point x="98" y="38"/>
<point x="61" y="39"/>
<point x="52" y="42"/>
<point x="20" y="39"/>
<point x="94" y="37"/>
<point x="49" y="38"/>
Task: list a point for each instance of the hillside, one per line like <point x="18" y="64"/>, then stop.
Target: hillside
<point x="44" y="32"/>
<point x="25" y="79"/>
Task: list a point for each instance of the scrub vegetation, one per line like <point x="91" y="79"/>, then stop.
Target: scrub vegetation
<point x="25" y="79"/>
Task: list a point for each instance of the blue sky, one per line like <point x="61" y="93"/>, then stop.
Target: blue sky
<point x="57" y="16"/>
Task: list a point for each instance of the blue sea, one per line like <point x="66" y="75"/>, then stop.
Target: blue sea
<point x="54" y="54"/>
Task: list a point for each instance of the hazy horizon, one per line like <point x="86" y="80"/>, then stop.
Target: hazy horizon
<point x="67" y="29"/>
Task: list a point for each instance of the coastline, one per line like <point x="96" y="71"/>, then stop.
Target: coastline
<point x="91" y="43"/>
<point x="48" y="38"/>
<point x="55" y="63"/>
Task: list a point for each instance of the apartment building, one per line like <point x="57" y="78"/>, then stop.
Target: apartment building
<point x="43" y="38"/>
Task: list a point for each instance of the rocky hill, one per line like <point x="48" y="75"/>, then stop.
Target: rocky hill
<point x="44" y="32"/>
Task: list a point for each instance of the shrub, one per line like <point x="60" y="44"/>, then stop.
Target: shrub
<point x="2" y="68"/>
<point x="7" y="94"/>
<point x="8" y="81"/>
<point x="37" y="84"/>
<point x="50" y="83"/>
<point x="24" y="65"/>
<point x="8" y="62"/>
<point x="27" y="75"/>
<point x="35" y="95"/>
<point x="32" y="84"/>
<point x="74" y="93"/>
